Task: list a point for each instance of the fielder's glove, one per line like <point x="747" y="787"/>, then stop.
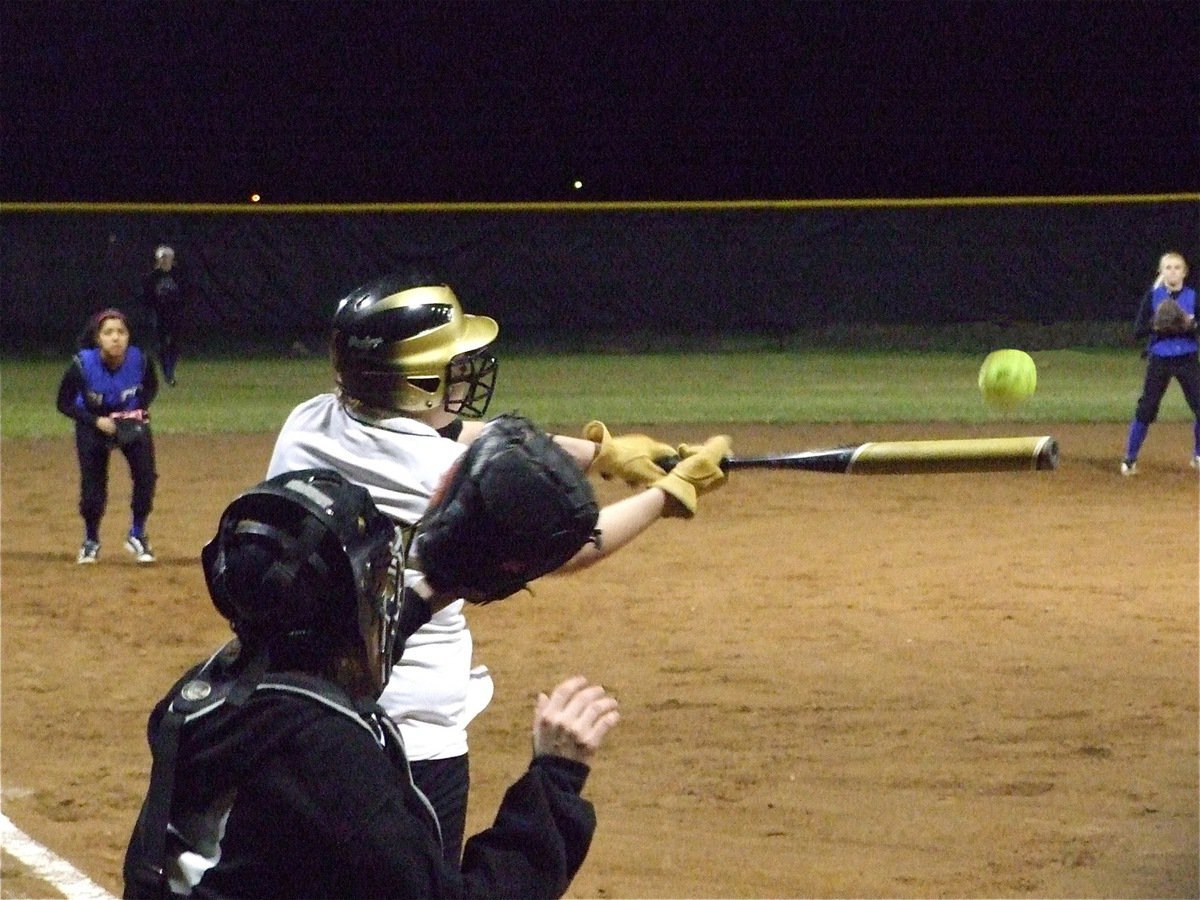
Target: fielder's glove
<point x="1170" y="318"/>
<point x="634" y="458"/>
<point x="130" y="429"/>
<point x="697" y="472"/>
<point x="515" y="507"/>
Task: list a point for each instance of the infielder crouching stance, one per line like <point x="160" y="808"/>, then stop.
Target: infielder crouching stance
<point x="107" y="390"/>
<point x="275" y="772"/>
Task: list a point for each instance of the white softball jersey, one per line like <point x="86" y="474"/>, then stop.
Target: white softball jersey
<point x="434" y="692"/>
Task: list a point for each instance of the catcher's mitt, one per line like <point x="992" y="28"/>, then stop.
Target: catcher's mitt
<point x="515" y="507"/>
<point x="1170" y="318"/>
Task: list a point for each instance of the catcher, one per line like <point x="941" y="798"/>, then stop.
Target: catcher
<point x="1166" y="318"/>
<point x="276" y="774"/>
<point x="415" y="376"/>
<point x="107" y="390"/>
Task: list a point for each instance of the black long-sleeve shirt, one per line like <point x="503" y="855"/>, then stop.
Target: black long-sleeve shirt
<point x="287" y="796"/>
<point x="166" y="294"/>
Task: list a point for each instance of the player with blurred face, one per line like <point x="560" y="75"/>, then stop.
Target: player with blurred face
<point x="113" y="340"/>
<point x="1172" y="269"/>
<point x="1171" y="353"/>
<point x="165" y="296"/>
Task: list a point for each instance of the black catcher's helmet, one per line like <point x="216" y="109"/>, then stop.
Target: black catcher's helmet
<point x="403" y="343"/>
<point x="307" y="556"/>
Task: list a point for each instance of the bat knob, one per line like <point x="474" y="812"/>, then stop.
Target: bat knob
<point x="1047" y="455"/>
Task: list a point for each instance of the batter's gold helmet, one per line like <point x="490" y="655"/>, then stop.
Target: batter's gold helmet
<point x="402" y="343"/>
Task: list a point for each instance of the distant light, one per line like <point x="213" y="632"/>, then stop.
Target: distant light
<point x="254" y="198"/>
<point x="578" y="185"/>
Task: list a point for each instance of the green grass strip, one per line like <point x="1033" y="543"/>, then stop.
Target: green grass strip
<point x="254" y="394"/>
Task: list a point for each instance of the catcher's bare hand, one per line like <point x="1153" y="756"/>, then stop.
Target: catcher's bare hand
<point x="698" y="472"/>
<point x="629" y="457"/>
<point x="573" y="719"/>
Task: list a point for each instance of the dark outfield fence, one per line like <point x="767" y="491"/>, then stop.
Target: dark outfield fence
<point x="638" y="273"/>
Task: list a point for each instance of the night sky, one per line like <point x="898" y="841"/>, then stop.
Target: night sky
<point x="383" y="101"/>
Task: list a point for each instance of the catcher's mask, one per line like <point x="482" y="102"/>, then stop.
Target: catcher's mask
<point x="307" y="556"/>
<point x="403" y="343"/>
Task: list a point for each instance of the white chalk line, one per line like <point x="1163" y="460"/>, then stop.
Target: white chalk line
<point x="53" y="869"/>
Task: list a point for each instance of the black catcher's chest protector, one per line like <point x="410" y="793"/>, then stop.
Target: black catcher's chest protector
<point x="202" y="692"/>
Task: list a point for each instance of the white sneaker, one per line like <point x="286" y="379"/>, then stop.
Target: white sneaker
<point x="1196" y="462"/>
<point x="140" y="548"/>
<point x="1129" y="467"/>
<point x="88" y="553"/>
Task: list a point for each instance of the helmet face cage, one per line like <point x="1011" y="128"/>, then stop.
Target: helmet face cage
<point x="379" y="593"/>
<point x="477" y="370"/>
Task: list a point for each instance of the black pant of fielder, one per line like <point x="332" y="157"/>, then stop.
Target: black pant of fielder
<point x="1159" y="371"/>
<point x="94" y="448"/>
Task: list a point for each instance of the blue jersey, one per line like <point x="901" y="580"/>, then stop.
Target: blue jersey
<point x="104" y="391"/>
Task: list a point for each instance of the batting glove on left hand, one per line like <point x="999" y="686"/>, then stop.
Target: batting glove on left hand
<point x="630" y="457"/>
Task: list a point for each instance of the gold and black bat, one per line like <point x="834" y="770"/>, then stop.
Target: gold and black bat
<point x="997" y="454"/>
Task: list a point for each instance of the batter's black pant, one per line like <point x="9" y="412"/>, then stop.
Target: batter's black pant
<point x="1159" y="371"/>
<point x="445" y="783"/>
<point x="94" y="448"/>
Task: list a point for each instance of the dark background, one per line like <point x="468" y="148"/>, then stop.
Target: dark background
<point x="371" y="100"/>
<point x="839" y="112"/>
<point x="639" y="279"/>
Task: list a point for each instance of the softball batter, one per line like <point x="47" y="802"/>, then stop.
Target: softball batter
<point x="410" y="365"/>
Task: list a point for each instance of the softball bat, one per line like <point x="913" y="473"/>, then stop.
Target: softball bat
<point x="1000" y="454"/>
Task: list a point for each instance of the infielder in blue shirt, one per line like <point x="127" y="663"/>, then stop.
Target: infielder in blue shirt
<point x="108" y="382"/>
<point x="1168" y="355"/>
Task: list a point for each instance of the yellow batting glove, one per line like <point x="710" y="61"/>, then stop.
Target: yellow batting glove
<point x="629" y="457"/>
<point x="697" y="472"/>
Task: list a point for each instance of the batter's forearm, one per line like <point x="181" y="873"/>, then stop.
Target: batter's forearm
<point x="582" y="450"/>
<point x="620" y="523"/>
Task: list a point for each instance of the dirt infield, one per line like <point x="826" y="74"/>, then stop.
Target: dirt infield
<point x="831" y="686"/>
